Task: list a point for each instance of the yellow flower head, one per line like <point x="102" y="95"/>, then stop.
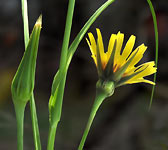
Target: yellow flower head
<point x="117" y="65"/>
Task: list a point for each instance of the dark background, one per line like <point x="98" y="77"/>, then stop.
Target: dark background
<point x="123" y="121"/>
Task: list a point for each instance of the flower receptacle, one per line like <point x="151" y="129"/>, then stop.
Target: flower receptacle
<point x="106" y="87"/>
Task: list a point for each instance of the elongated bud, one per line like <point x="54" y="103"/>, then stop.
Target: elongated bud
<point x="107" y="87"/>
<point x="23" y="82"/>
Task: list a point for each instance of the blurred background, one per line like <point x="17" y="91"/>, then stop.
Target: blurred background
<point x="123" y="122"/>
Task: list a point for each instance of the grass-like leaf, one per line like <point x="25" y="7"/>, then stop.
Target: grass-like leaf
<point x="156" y="47"/>
<point x="85" y="28"/>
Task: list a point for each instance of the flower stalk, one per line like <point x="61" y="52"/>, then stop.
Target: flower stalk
<point x="98" y="101"/>
<point x="19" y="110"/>
<point x="54" y="120"/>
<point x="55" y="102"/>
<point x="51" y="136"/>
<point x="103" y="90"/>
<point x="115" y="69"/>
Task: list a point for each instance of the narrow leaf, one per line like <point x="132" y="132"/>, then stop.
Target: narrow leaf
<point x="156" y="47"/>
<point x="85" y="28"/>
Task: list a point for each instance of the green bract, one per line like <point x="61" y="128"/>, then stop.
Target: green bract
<point x="23" y="82"/>
<point x="106" y="87"/>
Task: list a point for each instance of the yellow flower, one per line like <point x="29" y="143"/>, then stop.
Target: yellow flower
<point x="117" y="65"/>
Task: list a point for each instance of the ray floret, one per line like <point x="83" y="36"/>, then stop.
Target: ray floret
<point x="117" y="65"/>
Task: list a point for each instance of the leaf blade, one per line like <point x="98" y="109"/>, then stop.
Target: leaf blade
<point x="156" y="47"/>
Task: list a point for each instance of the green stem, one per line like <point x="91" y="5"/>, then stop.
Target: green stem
<point x="67" y="32"/>
<point x="65" y="44"/>
<point x="19" y="110"/>
<point x="62" y="68"/>
<point x="25" y="22"/>
<point x="51" y="136"/>
<point x="100" y="96"/>
<point x="35" y="127"/>
<point x="56" y="114"/>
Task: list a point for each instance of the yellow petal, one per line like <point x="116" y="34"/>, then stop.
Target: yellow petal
<point x="100" y="42"/>
<point x="93" y="43"/>
<point x="146" y="70"/>
<point x="104" y="61"/>
<point x="92" y="51"/>
<point x="130" y="71"/>
<point x="103" y="56"/>
<point x="128" y="49"/>
<point x="140" y="68"/>
<point x="140" y="80"/>
<point x="95" y="60"/>
<point x="141" y="49"/>
<point x="91" y="48"/>
<point x="120" y="38"/>
<point x="111" y="45"/>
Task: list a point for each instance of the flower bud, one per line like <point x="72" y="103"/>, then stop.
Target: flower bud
<point x="23" y="82"/>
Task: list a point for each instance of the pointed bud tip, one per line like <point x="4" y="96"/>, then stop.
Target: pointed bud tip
<point x="39" y="21"/>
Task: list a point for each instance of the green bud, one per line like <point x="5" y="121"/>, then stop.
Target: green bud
<point x="107" y="87"/>
<point x="23" y="82"/>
